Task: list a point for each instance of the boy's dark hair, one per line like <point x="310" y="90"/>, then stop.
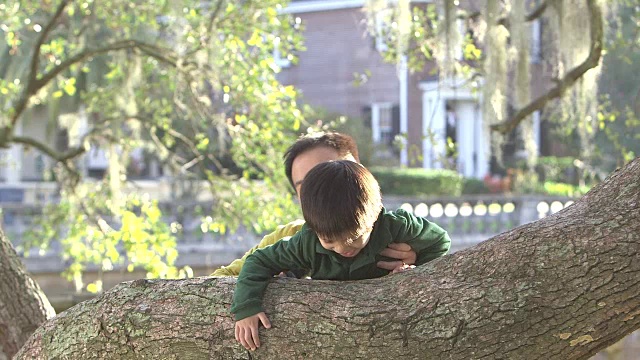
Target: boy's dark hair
<point x="340" y="200"/>
<point x="342" y="143"/>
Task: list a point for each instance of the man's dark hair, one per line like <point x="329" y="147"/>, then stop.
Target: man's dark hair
<point x="342" y="143"/>
<point x="340" y="200"/>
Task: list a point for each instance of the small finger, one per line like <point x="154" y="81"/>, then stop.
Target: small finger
<point x="236" y="332"/>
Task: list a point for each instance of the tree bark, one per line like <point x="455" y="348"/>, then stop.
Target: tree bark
<point x="562" y="287"/>
<point x="23" y="306"/>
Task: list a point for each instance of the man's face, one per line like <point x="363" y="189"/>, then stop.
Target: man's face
<point x="304" y="162"/>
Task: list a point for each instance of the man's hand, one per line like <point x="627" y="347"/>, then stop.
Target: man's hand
<point x="247" y="330"/>
<point x="403" y="268"/>
<point x="399" y="251"/>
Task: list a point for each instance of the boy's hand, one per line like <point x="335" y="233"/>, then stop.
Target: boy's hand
<point x="247" y="330"/>
<point x="403" y="268"/>
<point x="400" y="251"/>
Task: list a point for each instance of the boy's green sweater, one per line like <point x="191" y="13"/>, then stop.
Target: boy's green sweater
<point x="304" y="251"/>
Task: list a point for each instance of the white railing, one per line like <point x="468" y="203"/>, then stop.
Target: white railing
<point x="469" y="220"/>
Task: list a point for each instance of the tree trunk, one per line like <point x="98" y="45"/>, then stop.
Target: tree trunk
<point x="563" y="287"/>
<point x="23" y="306"/>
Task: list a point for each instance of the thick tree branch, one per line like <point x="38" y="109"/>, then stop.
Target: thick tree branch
<point x="24" y="305"/>
<point x="596" y="33"/>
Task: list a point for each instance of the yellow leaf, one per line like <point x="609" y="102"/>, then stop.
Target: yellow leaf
<point x="70" y="88"/>
<point x="92" y="288"/>
<point x="153" y="213"/>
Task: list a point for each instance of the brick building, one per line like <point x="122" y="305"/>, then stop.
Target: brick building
<point x="393" y="100"/>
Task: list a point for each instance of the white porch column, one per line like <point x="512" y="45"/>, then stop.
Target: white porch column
<point x="467" y="138"/>
<point x="471" y="142"/>
<point x="433" y="122"/>
<point x="481" y="155"/>
<point x="375" y="122"/>
<point x="13" y="168"/>
<point x="404" y="128"/>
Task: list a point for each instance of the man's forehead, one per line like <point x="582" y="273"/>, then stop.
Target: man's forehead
<point x="312" y="157"/>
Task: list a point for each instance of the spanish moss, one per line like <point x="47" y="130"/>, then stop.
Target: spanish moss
<point x="520" y="32"/>
<point x="494" y="109"/>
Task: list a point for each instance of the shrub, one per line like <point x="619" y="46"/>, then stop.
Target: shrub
<point x="474" y="186"/>
<point x="416" y="181"/>
<point x="563" y="189"/>
<point x="558" y="169"/>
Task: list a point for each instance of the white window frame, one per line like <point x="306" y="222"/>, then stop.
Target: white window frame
<point x="376" y="109"/>
<point x="380" y="27"/>
<point x="282" y="62"/>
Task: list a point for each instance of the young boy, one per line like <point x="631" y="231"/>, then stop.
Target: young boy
<point x="346" y="229"/>
<point x="308" y="151"/>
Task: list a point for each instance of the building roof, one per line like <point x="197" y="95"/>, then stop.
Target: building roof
<point x="305" y="6"/>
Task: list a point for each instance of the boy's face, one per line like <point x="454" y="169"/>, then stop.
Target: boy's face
<point x="347" y="248"/>
<point x="305" y="161"/>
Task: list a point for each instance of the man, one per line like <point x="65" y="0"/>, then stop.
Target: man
<point x="307" y="152"/>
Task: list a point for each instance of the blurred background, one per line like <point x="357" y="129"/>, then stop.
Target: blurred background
<point x="145" y="138"/>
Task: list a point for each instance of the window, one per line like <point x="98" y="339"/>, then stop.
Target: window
<point x="382" y="123"/>
<point x="382" y="19"/>
<point x="97" y="162"/>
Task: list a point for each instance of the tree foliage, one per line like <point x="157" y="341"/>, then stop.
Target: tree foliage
<point x="619" y="110"/>
<point x="483" y="44"/>
<point x="192" y="83"/>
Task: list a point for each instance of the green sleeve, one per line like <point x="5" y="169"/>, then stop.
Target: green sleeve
<point x="426" y="238"/>
<point x="262" y="265"/>
<point x="234" y="268"/>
